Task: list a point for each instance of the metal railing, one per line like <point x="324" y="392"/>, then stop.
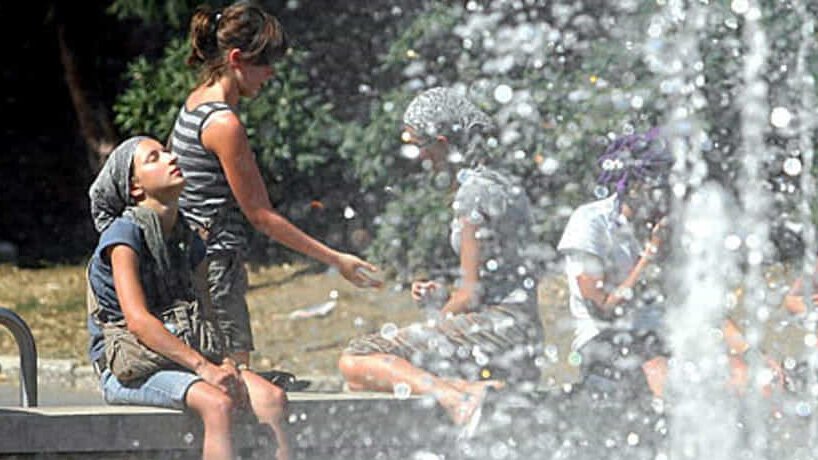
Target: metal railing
<point x="28" y="355"/>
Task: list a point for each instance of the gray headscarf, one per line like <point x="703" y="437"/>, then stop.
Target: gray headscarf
<point x="444" y="111"/>
<point x="110" y="192"/>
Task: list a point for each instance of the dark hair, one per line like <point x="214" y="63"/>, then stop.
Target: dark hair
<point x="242" y="25"/>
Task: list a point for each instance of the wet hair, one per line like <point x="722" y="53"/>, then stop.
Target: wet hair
<point x="443" y="111"/>
<point x="635" y="159"/>
<point x="242" y="25"/>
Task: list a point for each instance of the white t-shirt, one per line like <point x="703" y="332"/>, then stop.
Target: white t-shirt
<point x="597" y="242"/>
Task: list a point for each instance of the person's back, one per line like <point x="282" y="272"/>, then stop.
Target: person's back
<point x="206" y="200"/>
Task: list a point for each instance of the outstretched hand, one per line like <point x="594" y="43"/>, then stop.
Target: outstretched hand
<point x="355" y="271"/>
<point x="421" y="289"/>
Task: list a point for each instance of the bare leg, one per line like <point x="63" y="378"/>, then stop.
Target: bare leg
<point x="656" y="374"/>
<point x="381" y="372"/>
<point x="216" y="409"/>
<point x="269" y="403"/>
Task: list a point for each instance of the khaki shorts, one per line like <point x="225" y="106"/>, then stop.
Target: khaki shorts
<point x="227" y="279"/>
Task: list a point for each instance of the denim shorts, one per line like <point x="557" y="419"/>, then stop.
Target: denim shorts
<point x="227" y="279"/>
<point x="166" y="389"/>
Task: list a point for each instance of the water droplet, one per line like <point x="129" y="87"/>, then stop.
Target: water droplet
<point x="333" y="294"/>
<point x="549" y="166"/>
<point x="790" y="363"/>
<point x="792" y="166"/>
<point x="574" y="359"/>
<point x="528" y="283"/>
<point x="410" y="151"/>
<point x="803" y="409"/>
<point x="780" y="117"/>
<point x="188" y="438"/>
<point x="552" y="352"/>
<point x="499" y="450"/>
<point x="740" y="6"/>
<point x="610" y="443"/>
<point x="626" y="293"/>
<point x="358" y="322"/>
<point x="633" y="439"/>
<point x="481" y="359"/>
<point x="637" y="102"/>
<point x="810" y="340"/>
<point x="303" y="416"/>
<point x="492" y="265"/>
<point x="402" y="390"/>
<point x="732" y="242"/>
<point x="503" y="94"/>
<point x="135" y="443"/>
<point x="349" y="213"/>
<point x="389" y="331"/>
<point x="600" y="191"/>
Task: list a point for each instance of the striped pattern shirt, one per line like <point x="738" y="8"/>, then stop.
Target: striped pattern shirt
<point x="207" y="200"/>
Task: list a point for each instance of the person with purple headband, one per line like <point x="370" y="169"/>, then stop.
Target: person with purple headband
<point x="607" y="245"/>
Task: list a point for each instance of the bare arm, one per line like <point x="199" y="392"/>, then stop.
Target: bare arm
<point x="794" y="300"/>
<point x="226" y="136"/>
<point x="592" y="288"/>
<point x="465" y="296"/>
<point x="147" y="328"/>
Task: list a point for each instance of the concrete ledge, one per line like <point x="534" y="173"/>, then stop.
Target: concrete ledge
<point x="320" y="426"/>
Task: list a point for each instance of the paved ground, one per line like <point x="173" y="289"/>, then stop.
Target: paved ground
<point x="50" y="395"/>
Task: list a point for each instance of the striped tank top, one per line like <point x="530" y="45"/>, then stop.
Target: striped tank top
<point x="207" y="201"/>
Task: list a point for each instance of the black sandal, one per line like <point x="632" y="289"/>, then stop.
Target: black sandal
<point x="285" y="380"/>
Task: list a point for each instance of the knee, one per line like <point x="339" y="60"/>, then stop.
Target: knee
<point x="273" y="398"/>
<point x="218" y="408"/>
<point x="348" y="364"/>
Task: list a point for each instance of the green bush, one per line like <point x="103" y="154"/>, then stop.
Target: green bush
<point x="291" y="129"/>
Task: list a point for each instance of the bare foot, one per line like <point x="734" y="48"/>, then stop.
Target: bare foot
<point x="470" y="399"/>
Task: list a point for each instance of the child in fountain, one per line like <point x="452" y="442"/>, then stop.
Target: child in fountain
<point x="489" y="327"/>
<point x="618" y="317"/>
<point x="147" y="259"/>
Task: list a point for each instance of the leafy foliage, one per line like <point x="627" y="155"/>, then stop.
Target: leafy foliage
<point x="562" y="80"/>
<point x="291" y="129"/>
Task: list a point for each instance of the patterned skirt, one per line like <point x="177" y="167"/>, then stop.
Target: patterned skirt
<point x="498" y="342"/>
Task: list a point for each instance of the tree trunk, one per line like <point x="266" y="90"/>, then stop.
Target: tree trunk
<point x="95" y="122"/>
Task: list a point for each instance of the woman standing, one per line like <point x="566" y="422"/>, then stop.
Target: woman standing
<point x="235" y="49"/>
